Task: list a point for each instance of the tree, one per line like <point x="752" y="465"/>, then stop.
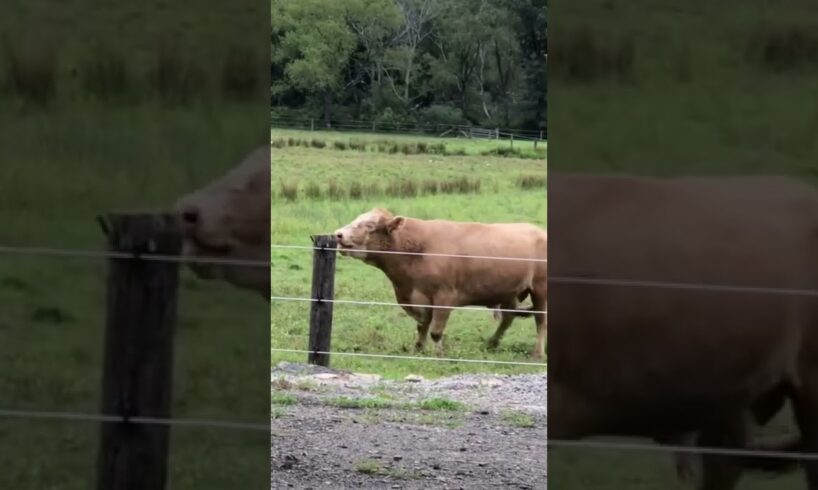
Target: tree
<point x="314" y="45"/>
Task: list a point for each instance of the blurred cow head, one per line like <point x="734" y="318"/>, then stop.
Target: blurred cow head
<point x="230" y="219"/>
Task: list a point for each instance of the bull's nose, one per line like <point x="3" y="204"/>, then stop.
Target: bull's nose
<point x="188" y="214"/>
<point x="339" y="236"/>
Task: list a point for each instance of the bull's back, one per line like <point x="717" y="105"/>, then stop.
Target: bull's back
<point x="475" y="258"/>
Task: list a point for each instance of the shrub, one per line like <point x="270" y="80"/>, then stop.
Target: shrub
<point x="289" y="191"/>
<point x="334" y="191"/>
<point x="313" y="191"/>
<point x="355" y="190"/>
<point x="531" y="181"/>
<point x="104" y="74"/>
<point x="32" y="74"/>
<point x="240" y="73"/>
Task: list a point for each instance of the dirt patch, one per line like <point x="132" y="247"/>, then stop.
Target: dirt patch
<point x="333" y="429"/>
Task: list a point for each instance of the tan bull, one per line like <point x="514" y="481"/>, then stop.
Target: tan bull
<point x="446" y="281"/>
<point x="660" y="360"/>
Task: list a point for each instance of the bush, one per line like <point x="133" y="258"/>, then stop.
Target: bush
<point x="240" y="71"/>
<point x="334" y="191"/>
<point x="32" y="74"/>
<point x="441" y="114"/>
<point x="104" y="74"/>
<point x="289" y="191"/>
<point x="313" y="191"/>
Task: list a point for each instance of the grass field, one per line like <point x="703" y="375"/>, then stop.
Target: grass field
<point x="383" y="329"/>
<point x="60" y="169"/>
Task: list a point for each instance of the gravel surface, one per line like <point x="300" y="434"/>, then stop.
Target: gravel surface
<point x="496" y="439"/>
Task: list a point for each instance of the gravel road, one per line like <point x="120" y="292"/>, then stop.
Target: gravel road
<point x="407" y="434"/>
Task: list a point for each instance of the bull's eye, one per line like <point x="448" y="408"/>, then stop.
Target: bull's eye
<point x="369" y="226"/>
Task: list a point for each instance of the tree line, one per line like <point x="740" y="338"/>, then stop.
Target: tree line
<point x="480" y="62"/>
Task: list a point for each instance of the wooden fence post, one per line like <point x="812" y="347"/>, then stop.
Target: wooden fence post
<point x="138" y="364"/>
<point x="323" y="288"/>
<point x="512" y="141"/>
<point x="312" y="124"/>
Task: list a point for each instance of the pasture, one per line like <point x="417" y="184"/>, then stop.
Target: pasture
<point x="316" y="190"/>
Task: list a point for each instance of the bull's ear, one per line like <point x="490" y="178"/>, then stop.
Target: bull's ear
<point x="394" y="223"/>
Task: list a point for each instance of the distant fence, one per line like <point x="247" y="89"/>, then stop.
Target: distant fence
<point x="395" y="127"/>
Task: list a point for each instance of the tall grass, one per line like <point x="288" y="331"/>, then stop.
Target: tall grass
<point x="402" y="188"/>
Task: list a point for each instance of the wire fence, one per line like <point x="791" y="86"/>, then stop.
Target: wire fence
<point x="242" y="425"/>
<point x="413" y="128"/>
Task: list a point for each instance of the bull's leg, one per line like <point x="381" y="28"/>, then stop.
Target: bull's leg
<point x="805" y="406"/>
<point x="538" y="299"/>
<point x="721" y="472"/>
<point x="688" y="465"/>
<point x="423" y="331"/>
<point x="506" y="317"/>
<point x="439" y="318"/>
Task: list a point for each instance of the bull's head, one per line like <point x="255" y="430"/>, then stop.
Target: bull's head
<point x="230" y="219"/>
<point x="369" y="231"/>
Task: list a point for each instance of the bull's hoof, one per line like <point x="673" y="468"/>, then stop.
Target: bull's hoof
<point x="538" y="356"/>
<point x="492" y="344"/>
<point x="419" y="347"/>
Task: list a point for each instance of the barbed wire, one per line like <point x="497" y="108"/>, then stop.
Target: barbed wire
<point x="99" y="254"/>
<point x="95" y="417"/>
<point x="723" y="288"/>
<point x="672" y="448"/>
<point x="409" y="358"/>
<point x="104" y="254"/>
<point x="404" y="305"/>
<point x="396" y="252"/>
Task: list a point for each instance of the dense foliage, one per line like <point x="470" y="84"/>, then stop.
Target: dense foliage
<point x="431" y="62"/>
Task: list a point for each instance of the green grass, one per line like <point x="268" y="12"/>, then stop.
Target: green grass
<point x="518" y="419"/>
<point x="368" y="466"/>
<point x="384" y="329"/>
<point x="282" y="399"/>
<point x="361" y="403"/>
<point x="442" y="404"/>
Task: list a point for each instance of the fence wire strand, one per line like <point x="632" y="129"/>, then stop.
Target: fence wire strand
<point x="556" y="443"/>
<point x="94" y="417"/>
<point x="395" y="252"/>
<point x="404" y="305"/>
<point x="105" y="254"/>
<point x="411" y="358"/>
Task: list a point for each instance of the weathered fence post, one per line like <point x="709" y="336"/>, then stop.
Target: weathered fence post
<point x="138" y="364"/>
<point x="312" y="124"/>
<point x="323" y="288"/>
<point x="512" y="141"/>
